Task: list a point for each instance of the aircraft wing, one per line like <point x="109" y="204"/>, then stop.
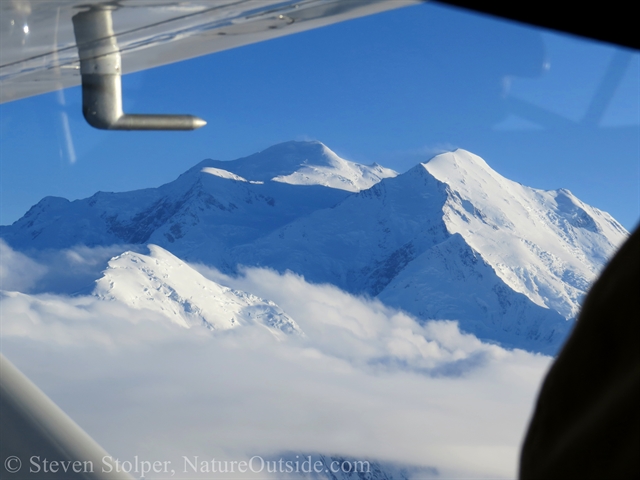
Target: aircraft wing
<point x="38" y="52"/>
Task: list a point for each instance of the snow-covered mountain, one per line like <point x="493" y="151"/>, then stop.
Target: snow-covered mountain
<point x="306" y="163"/>
<point x="213" y="206"/>
<point x="453" y="239"/>
<point x="448" y="239"/>
<point x="163" y="283"/>
<point x="546" y="244"/>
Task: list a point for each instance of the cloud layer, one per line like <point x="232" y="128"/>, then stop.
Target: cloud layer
<point x="17" y="271"/>
<point x="366" y="381"/>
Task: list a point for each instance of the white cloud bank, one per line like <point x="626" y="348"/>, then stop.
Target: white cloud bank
<point x="366" y="381"/>
<point x="17" y="271"/>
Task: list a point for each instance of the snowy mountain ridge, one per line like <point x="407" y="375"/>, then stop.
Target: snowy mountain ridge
<point x="163" y="283"/>
<point x="546" y="244"/>
<point x="304" y="163"/>
<point x="448" y="239"/>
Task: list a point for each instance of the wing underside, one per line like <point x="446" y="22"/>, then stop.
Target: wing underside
<point x="39" y="52"/>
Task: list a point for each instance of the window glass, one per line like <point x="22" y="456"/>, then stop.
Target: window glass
<point x="318" y="352"/>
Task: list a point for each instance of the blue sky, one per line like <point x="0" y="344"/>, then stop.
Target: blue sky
<point x="543" y="109"/>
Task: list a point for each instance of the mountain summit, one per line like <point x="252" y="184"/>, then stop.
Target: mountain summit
<point x="448" y="239"/>
<point x="547" y="245"/>
<point x="303" y="163"/>
<point x="163" y="283"/>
